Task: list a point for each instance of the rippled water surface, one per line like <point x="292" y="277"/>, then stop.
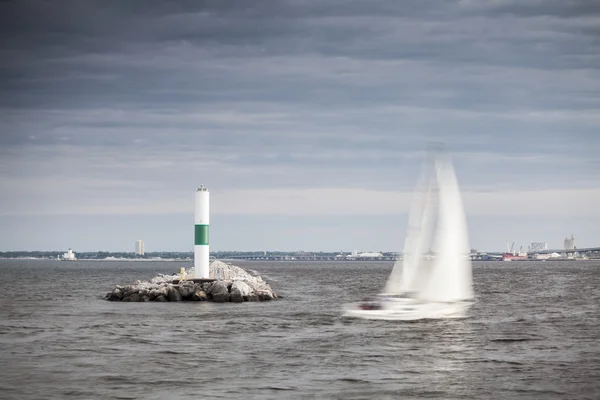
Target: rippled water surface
<point x="533" y="333"/>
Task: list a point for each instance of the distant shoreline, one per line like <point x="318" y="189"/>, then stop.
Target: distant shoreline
<point x="269" y="260"/>
<point x="98" y="259"/>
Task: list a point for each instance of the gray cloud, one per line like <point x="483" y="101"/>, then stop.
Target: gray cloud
<point x="531" y="8"/>
<point x="123" y="100"/>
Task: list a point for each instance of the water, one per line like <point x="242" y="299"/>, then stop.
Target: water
<point x="533" y="333"/>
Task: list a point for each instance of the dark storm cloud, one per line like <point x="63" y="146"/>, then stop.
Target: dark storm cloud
<point x="96" y="54"/>
<point x="337" y="85"/>
<point x="224" y="22"/>
<point x="531" y="8"/>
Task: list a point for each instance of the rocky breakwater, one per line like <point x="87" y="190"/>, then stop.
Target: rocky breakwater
<point x="231" y="284"/>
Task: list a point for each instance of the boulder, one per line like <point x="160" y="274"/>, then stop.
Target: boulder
<point x="236" y="297"/>
<point x="115" y="295"/>
<point x="200" y="296"/>
<point x="206" y="287"/>
<point x="219" y="292"/>
<point x="186" y="289"/>
<point x="162" y="291"/>
<point x="118" y="293"/>
<point x="153" y="293"/>
<point x="239" y="291"/>
<point x="173" y="294"/>
<point x="265" y="295"/>
<point x="132" y="297"/>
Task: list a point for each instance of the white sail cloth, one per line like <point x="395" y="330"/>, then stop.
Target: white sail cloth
<point x="436" y="222"/>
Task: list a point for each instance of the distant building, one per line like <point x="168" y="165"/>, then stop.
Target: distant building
<point x="570" y="243"/>
<point x="370" y="255"/>
<point x="69" y="256"/>
<point x="139" y="248"/>
<point x="547" y="256"/>
<point x="538" y="246"/>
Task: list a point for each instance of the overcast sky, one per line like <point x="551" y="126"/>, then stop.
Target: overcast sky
<point x="306" y="119"/>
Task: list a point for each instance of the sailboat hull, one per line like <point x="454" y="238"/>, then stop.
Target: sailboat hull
<point x="406" y="309"/>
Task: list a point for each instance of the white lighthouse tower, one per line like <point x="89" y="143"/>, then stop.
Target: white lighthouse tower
<point x="202" y="220"/>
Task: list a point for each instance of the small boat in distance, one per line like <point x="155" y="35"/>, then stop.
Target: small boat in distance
<point x="514" y="257"/>
<point x="438" y="287"/>
<point x="511" y="255"/>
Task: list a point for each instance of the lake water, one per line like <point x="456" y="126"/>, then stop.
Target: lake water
<point x="534" y="332"/>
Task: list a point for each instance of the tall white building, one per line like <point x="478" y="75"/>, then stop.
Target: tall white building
<point x="570" y="243"/>
<point x="139" y="248"/>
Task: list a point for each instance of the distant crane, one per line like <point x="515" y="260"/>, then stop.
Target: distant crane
<point x="510" y="250"/>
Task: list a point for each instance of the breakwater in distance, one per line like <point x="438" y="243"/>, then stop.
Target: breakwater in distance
<point x="228" y="283"/>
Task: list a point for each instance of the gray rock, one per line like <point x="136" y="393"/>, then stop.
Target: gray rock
<point x="115" y="295"/>
<point x="118" y="293"/>
<point x="187" y="289"/>
<point x="251" y="297"/>
<point x="218" y="287"/>
<point x="221" y="297"/>
<point x="242" y="287"/>
<point x="133" y="297"/>
<point x="236" y="297"/>
<point x="162" y="291"/>
<point x="160" y="279"/>
<point x="265" y="295"/>
<point x="129" y="290"/>
<point x="207" y="287"/>
<point x="153" y="294"/>
<point x="200" y="296"/>
<point x="239" y="291"/>
<point x="173" y="294"/>
<point x="219" y="292"/>
<point x="161" y="298"/>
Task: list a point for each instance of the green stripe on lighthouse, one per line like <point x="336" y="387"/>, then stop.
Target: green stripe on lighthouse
<point x="201" y="235"/>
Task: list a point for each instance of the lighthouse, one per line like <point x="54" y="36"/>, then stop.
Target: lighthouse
<point x="201" y="221"/>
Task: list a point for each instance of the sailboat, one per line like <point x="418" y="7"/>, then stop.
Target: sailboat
<point x="426" y="285"/>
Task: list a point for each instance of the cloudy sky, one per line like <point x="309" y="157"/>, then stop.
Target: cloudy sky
<point x="306" y="119"/>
